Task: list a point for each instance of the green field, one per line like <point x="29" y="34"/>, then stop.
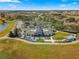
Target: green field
<point x="39" y="40"/>
<point x="11" y="49"/>
<point x="4" y="55"/>
<point x="60" y="35"/>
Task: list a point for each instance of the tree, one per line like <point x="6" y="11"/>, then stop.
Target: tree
<point x="16" y="32"/>
<point x="71" y="19"/>
<point x="11" y="34"/>
<point x="2" y="15"/>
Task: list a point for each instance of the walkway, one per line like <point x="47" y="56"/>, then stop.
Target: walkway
<point x="29" y="42"/>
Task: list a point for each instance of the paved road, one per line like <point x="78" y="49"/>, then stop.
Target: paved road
<point x="29" y="42"/>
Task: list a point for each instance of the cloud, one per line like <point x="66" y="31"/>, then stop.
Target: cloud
<point x="64" y="0"/>
<point x="74" y="3"/>
<point x="9" y="1"/>
<point x="26" y="0"/>
<point x="63" y="5"/>
<point x="12" y="6"/>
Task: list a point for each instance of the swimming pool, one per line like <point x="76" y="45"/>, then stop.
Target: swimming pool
<point x="3" y="27"/>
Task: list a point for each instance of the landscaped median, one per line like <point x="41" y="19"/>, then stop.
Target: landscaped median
<point x="8" y="29"/>
<point x="60" y="35"/>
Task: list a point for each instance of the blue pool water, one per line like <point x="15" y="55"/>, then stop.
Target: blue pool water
<point x="3" y="27"/>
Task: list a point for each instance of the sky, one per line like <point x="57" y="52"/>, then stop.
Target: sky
<point x="39" y="4"/>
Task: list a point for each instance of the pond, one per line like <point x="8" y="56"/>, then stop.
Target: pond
<point x="3" y="27"/>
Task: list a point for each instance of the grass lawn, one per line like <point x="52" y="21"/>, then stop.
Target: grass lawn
<point x="4" y="55"/>
<point x="20" y="50"/>
<point x="60" y="35"/>
<point x="39" y="40"/>
<point x="7" y="30"/>
<point x="0" y="22"/>
<point x="76" y="17"/>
